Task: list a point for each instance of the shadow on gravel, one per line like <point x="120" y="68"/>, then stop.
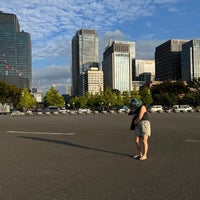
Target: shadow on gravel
<point x="73" y="145"/>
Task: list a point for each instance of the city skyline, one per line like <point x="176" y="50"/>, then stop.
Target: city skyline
<point x="53" y="24"/>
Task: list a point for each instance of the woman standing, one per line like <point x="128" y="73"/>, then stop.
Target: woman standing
<point x="142" y="128"/>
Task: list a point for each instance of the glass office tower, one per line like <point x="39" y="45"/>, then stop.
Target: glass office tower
<point x="15" y="52"/>
<point x="168" y="60"/>
<point x="117" y="65"/>
<point x="85" y="51"/>
<point x="190" y="60"/>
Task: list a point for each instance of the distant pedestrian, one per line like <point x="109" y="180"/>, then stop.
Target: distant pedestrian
<point x="142" y="127"/>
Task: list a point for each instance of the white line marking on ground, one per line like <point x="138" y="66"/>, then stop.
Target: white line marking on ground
<point x="192" y="140"/>
<point x="40" y="133"/>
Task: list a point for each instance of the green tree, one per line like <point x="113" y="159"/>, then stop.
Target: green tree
<point x="14" y="95"/>
<point x="110" y="97"/>
<point x="126" y="98"/>
<point x="52" y="98"/>
<point x="91" y="101"/>
<point x="82" y="101"/>
<point x="195" y="83"/>
<point x="119" y="100"/>
<point x="115" y="91"/>
<point x="101" y="100"/>
<point x="145" y="96"/>
<point x="169" y="93"/>
<point x="9" y="94"/>
<point x="188" y="98"/>
<point x="74" y="102"/>
<point x="135" y="94"/>
<point x="26" y="100"/>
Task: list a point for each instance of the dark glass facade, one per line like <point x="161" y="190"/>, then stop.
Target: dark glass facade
<point x="168" y="60"/>
<point x="15" y="52"/>
<point x="190" y="60"/>
<point x="85" y="51"/>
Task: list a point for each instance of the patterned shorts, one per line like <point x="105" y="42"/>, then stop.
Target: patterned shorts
<point x="143" y="128"/>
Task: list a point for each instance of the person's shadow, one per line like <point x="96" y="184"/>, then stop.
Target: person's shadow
<point x="73" y="145"/>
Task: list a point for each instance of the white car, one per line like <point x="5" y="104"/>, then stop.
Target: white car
<point x="124" y="109"/>
<point x="182" y="108"/>
<point x="63" y="111"/>
<point x="156" y="108"/>
<point x="17" y="113"/>
<point x="84" y="110"/>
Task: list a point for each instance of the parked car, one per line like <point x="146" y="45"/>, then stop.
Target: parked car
<point x="63" y="111"/>
<point x="156" y="108"/>
<point x="29" y="112"/>
<point x="53" y="109"/>
<point x="124" y="109"/>
<point x="182" y="108"/>
<point x="84" y="110"/>
<point x="16" y="113"/>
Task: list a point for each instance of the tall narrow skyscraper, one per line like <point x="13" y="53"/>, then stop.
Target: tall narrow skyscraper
<point x="85" y="51"/>
<point x="117" y="65"/>
<point x="15" y="52"/>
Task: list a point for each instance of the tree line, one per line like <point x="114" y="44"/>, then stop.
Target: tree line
<point x="172" y="93"/>
<point x="167" y="94"/>
<point x="22" y="99"/>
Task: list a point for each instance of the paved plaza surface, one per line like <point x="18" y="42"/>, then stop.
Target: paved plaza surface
<point x="88" y="157"/>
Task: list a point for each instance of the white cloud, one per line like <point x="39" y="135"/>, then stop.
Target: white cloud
<point x="165" y="1"/>
<point x="52" y="24"/>
<point x="53" y="75"/>
<point x="110" y="35"/>
<point x="145" y="49"/>
<point x="50" y="72"/>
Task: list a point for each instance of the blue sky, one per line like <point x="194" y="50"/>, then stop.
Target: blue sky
<point x="52" y="24"/>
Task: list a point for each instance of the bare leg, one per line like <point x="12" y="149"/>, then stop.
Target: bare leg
<point x="139" y="146"/>
<point x="145" y="147"/>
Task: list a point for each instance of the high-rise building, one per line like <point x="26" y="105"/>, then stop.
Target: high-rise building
<point x="168" y="60"/>
<point x="15" y="52"/>
<point x="85" y="50"/>
<point x="143" y="70"/>
<point x="117" y="65"/>
<point x="93" y="80"/>
<point x="190" y="60"/>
